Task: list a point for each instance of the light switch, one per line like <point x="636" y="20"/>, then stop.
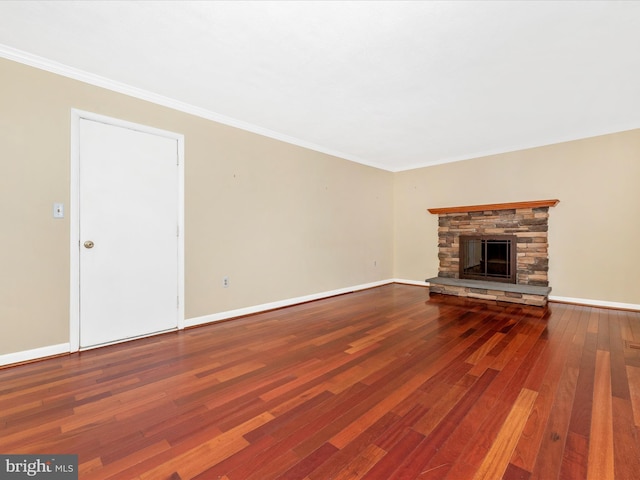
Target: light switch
<point x="58" y="210"/>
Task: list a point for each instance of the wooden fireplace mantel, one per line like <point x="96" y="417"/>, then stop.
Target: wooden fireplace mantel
<point x="494" y="206"/>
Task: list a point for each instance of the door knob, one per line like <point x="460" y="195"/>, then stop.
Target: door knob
<point x="88" y="244"/>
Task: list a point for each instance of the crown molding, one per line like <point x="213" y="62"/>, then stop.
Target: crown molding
<point x="42" y="63"/>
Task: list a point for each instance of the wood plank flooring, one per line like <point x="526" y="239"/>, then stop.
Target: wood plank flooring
<point x="386" y="383"/>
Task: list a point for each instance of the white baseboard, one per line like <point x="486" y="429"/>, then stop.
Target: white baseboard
<point x="595" y="303"/>
<point x="417" y="283"/>
<point x="62" y="348"/>
<point x="35" y="354"/>
<point x="216" y="317"/>
<point x="51" y="350"/>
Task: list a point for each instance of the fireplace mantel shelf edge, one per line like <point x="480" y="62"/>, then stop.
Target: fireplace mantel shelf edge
<point x="494" y="206"/>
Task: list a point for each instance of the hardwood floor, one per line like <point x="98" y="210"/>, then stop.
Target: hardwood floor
<point x="386" y="383"/>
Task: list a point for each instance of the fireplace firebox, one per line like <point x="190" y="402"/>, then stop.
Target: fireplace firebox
<point x="488" y="257"/>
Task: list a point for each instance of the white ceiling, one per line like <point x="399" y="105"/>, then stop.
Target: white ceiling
<point x="396" y="85"/>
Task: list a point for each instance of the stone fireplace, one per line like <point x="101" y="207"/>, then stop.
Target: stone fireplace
<point x="506" y="235"/>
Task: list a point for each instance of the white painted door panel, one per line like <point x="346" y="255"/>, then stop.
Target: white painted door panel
<point x="129" y="210"/>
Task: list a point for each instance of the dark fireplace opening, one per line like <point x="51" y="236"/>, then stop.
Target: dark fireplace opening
<point x="488" y="257"/>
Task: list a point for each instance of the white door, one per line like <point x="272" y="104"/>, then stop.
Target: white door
<point x="128" y="208"/>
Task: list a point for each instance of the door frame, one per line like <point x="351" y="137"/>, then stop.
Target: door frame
<point x="74" y="215"/>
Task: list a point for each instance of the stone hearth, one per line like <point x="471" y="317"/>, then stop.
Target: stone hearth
<point x="500" y="292"/>
<point x="528" y="221"/>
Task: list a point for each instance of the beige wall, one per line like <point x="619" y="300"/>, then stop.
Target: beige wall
<point x="594" y="232"/>
<point x="279" y="220"/>
<point x="282" y="221"/>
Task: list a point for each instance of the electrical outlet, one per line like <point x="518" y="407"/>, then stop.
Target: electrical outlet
<point x="225" y="282"/>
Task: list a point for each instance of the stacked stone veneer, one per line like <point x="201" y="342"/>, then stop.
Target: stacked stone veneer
<point x="529" y="225"/>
